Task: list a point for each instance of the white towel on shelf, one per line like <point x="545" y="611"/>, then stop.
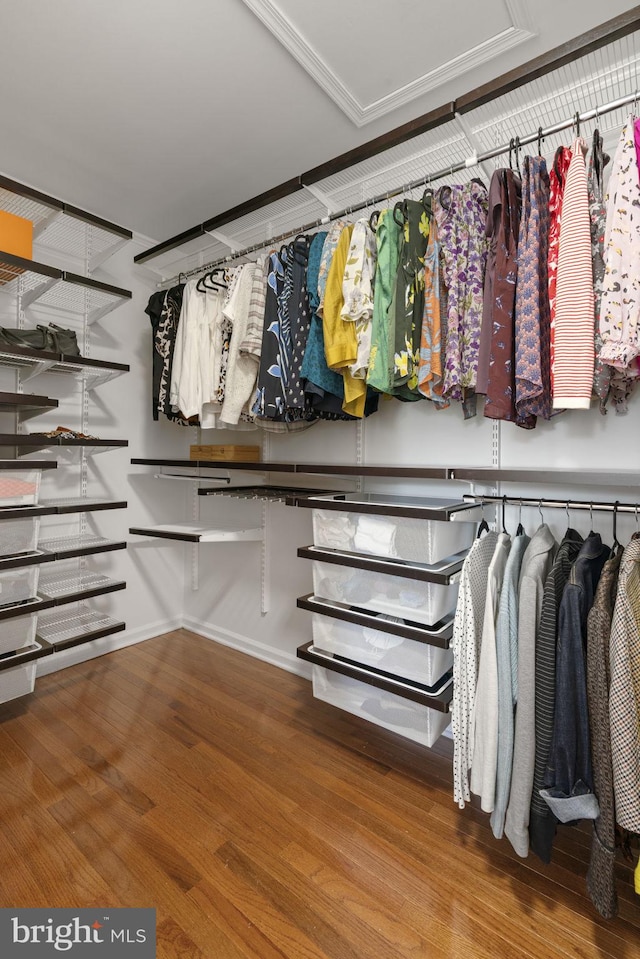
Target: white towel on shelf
<point x="375" y="535"/>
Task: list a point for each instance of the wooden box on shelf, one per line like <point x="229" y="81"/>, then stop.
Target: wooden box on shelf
<point x="16" y="237"/>
<point x="237" y="454"/>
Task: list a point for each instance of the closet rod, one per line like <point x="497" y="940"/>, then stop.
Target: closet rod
<point x="474" y="160"/>
<point x="555" y="503"/>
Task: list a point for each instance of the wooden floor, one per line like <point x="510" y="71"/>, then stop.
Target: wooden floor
<point x="261" y="823"/>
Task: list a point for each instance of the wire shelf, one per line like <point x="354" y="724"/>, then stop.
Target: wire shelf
<point x="36" y="362"/>
<point x="63" y="628"/>
<point x="66" y="547"/>
<point x="56" y="585"/>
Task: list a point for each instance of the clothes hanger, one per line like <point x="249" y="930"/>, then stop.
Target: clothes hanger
<point x="517" y="151"/>
<point x="520" y="530"/>
<point x="373" y="220"/>
<point x="504" y="505"/>
<point x="566" y="506"/>
<point x="576" y="123"/>
<point x="540" y="502"/>
<point x="540" y="141"/>
<point x="484" y="526"/>
<point x="616" y="545"/>
<point x="591" y="531"/>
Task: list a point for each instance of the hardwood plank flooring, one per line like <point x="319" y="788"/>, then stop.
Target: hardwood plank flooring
<point x="264" y="824"/>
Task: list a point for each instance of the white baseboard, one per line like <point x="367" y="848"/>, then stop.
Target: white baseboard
<point x="81" y="654"/>
<point x="245" y="644"/>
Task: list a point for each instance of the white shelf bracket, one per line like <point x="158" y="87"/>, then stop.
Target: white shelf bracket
<point x="98" y="259"/>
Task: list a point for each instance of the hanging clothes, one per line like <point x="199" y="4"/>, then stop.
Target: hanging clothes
<point x="379" y="376"/>
<point x="357" y="292"/>
<point x="573" y="360"/>
<point x="242" y="369"/>
<point x="569" y="778"/>
<point x="624" y="697"/>
<point x="600" y="877"/>
<point x="163" y="310"/>
<point x="461" y="213"/>
<point x="324" y="388"/>
<point x="340" y="340"/>
<point x="532" y="314"/>
<point x="542" y="823"/>
<point x="557" y="178"/>
<point x="413" y="220"/>
<point x="300" y="318"/>
<point x="621" y="285"/>
<point x="501" y="396"/>
<point x="197" y="354"/>
<point x="467" y="634"/>
<point x="598" y="160"/>
<point x="484" y="722"/>
<point x="269" y="406"/>
<point x="432" y="343"/>
<point x="507" y="666"/>
<point x="536" y="564"/>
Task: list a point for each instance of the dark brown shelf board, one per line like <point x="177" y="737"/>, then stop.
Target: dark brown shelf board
<point x="42" y="440"/>
<point x="26" y="559"/>
<point x="400" y="687"/>
<point x="20" y="189"/>
<point x="165" y="534"/>
<point x="412" y="508"/>
<point x="394" y="472"/>
<point x="91" y="363"/>
<point x="34" y="605"/>
<point x="51" y="556"/>
<point x="22" y="264"/>
<point x="84" y="506"/>
<point x="439" y="575"/>
<point x="81" y="594"/>
<point x="218" y="465"/>
<point x="53" y="509"/>
<point x="84" y="638"/>
<point x="26" y="403"/>
<point x="75" y="551"/>
<point x="438" y="635"/>
<point x="26" y="655"/>
<point x="32" y="465"/>
<point x="24" y="512"/>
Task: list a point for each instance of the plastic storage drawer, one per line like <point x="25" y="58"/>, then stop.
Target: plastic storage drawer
<point x="17" y="632"/>
<point x="19" y="487"/>
<point x="17" y="585"/>
<point x="402" y="716"/>
<point x="18" y="681"/>
<point x="18" y="536"/>
<point x="383" y="593"/>
<point x="394" y="537"/>
<point x="405" y="658"/>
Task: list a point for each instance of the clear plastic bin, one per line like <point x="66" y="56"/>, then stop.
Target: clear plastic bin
<point x="383" y="593"/>
<point x="18" y="535"/>
<point x="405" y="658"/>
<point x="402" y="716"/>
<point x="19" y="487"/>
<point x="17" y="585"/>
<point x="395" y="537"/>
<point x="17" y="632"/>
<point x="19" y="681"/>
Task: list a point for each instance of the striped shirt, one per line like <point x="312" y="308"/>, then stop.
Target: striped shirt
<point x="572" y="373"/>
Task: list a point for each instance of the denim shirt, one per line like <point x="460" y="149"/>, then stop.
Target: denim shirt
<point x="569" y="776"/>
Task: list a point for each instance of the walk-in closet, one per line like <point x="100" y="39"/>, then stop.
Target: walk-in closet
<point x="319" y="479"/>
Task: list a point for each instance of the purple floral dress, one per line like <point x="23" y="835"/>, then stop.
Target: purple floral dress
<point x="461" y="215"/>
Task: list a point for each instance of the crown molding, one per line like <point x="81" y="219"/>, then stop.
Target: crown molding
<point x="268" y="12"/>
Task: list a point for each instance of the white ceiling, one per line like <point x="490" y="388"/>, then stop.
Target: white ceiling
<point x="159" y="114"/>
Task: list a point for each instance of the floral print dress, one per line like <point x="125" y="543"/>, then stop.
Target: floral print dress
<point x="461" y="214"/>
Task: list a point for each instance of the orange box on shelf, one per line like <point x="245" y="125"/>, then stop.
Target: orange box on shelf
<point x="16" y="237"/>
<point x="238" y="454"/>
